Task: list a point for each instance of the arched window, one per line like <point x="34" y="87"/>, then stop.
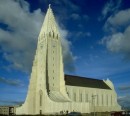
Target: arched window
<point x="40" y="97"/>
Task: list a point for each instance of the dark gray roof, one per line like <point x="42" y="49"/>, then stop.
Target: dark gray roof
<point x="85" y="82"/>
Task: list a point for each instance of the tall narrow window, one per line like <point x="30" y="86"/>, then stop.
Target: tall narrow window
<point x="40" y="92"/>
<point x="97" y="100"/>
<point x="86" y="97"/>
<point x="111" y="100"/>
<point x="80" y="97"/>
<point x="102" y="99"/>
<point x="74" y="96"/>
<point x="107" y="99"/>
<point x="53" y="33"/>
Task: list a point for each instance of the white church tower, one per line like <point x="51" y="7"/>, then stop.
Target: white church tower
<point x="47" y="92"/>
<point x="50" y="72"/>
<point x="47" y="77"/>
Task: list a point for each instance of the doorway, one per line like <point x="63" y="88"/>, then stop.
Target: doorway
<point x="40" y="112"/>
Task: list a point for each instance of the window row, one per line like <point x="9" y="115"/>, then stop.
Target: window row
<point x="94" y="99"/>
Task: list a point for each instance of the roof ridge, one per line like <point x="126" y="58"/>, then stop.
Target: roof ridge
<point x="83" y="77"/>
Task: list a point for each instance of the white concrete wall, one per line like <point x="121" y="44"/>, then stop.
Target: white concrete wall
<point x="102" y="100"/>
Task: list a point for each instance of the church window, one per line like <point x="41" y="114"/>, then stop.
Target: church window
<point x="111" y="99"/>
<point x="57" y="36"/>
<point x="107" y="99"/>
<point x="80" y="97"/>
<point x="97" y="99"/>
<point x="53" y="33"/>
<point x="102" y="99"/>
<point x="40" y="92"/>
<point x="74" y="96"/>
<point x="86" y="97"/>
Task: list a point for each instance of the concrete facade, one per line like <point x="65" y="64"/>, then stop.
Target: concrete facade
<point x="47" y="92"/>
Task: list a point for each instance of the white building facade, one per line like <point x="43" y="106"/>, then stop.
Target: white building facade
<point x="50" y="91"/>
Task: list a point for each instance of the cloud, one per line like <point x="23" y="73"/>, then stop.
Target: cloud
<point x="110" y="7"/>
<point x="119" y="38"/>
<point x="124" y="101"/>
<point x="78" y="17"/>
<point x="75" y="16"/>
<point x="12" y="82"/>
<point x="69" y="7"/>
<point x="68" y="57"/>
<point x="124" y="87"/>
<point x="119" y="43"/>
<point x="119" y="20"/>
<point x="80" y="34"/>
<point x="18" y="41"/>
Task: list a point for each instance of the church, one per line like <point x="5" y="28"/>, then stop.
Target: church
<point x="51" y="91"/>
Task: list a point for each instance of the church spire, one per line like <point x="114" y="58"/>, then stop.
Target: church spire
<point x="50" y="53"/>
<point x="49" y="24"/>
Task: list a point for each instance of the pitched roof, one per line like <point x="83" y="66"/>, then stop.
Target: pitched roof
<point x="85" y="82"/>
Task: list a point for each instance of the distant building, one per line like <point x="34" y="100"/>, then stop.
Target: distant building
<point x="7" y="110"/>
<point x="50" y="92"/>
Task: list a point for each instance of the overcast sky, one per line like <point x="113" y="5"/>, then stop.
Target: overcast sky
<point x="95" y="40"/>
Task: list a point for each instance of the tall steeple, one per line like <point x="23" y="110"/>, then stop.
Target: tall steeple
<point x="47" y="82"/>
<point x="50" y="52"/>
